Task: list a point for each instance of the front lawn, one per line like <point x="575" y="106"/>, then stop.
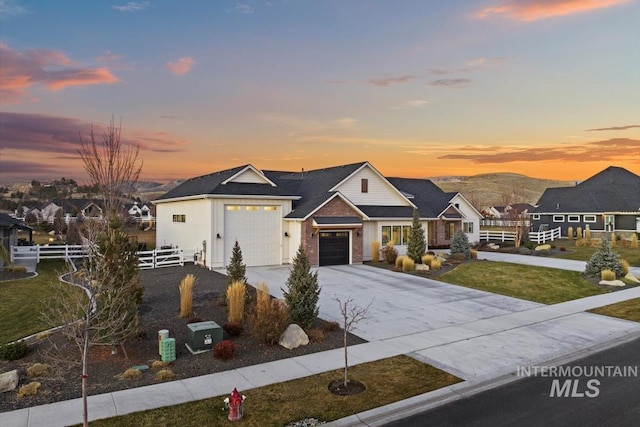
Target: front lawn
<point x="23" y="301"/>
<point x="538" y="284"/>
<point x="387" y="381"/>
<point x="582" y="253"/>
<point x="628" y="310"/>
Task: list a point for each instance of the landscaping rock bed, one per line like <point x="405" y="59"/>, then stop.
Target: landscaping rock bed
<point x="159" y="310"/>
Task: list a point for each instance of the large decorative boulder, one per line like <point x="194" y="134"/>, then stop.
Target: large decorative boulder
<point x="293" y="337"/>
<point x="631" y="277"/>
<point x="8" y="381"/>
<point x="612" y="282"/>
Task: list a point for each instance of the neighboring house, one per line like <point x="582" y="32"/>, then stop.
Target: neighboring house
<point x="334" y="213"/>
<point x="519" y="209"/>
<point x="9" y="232"/>
<point x="141" y="213"/>
<point x="607" y="202"/>
<point x="28" y="208"/>
<point x="72" y="208"/>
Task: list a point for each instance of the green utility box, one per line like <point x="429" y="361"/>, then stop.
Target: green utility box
<point x="203" y="336"/>
<point x="168" y="346"/>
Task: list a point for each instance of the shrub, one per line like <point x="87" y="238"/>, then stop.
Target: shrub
<point x="235" y="301"/>
<point x="460" y="244"/>
<point x="529" y="245"/>
<point x="375" y="251"/>
<point x="389" y="253"/>
<point x="233" y="328"/>
<point x="331" y="326"/>
<point x="131" y="374"/>
<point x="604" y="258"/>
<point x="236" y="270"/>
<point x="523" y="250"/>
<point x="159" y="364"/>
<point x="268" y="322"/>
<point x="459" y="256"/>
<point x="624" y="265"/>
<point x="607" y="275"/>
<point x="315" y="335"/>
<point x="224" y="350"/>
<point x="473" y="253"/>
<point x="399" y="261"/>
<point x="570" y="233"/>
<point x="39" y="370"/>
<point x="587" y="233"/>
<point x="408" y="264"/>
<point x="426" y="259"/>
<point x="579" y="234"/>
<point x="613" y="240"/>
<point x="417" y="243"/>
<point x="562" y="249"/>
<point x="165" y="375"/>
<point x="30" y="389"/>
<point x="186" y="295"/>
<point x="15" y="269"/>
<point x="634" y="241"/>
<point x="302" y="291"/>
<point x="14" y="351"/>
<point x="436" y="263"/>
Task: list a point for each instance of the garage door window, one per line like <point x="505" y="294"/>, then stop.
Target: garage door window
<point x="234" y="208"/>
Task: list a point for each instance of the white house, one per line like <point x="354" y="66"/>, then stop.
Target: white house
<point x="334" y="213"/>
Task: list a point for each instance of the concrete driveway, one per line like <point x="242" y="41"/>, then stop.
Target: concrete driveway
<point x="473" y="334"/>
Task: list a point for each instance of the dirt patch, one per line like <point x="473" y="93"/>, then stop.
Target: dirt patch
<point x="159" y="310"/>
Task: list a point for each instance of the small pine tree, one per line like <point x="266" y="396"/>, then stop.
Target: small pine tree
<point x="236" y="269"/>
<point x="460" y="244"/>
<point x="604" y="258"/>
<point x="417" y="245"/>
<point x="303" y="291"/>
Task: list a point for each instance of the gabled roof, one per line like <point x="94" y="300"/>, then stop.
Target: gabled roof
<point x="220" y="183"/>
<point x="428" y="197"/>
<point x="312" y="186"/>
<point x="74" y="206"/>
<point x="7" y="222"/>
<point x="614" y="189"/>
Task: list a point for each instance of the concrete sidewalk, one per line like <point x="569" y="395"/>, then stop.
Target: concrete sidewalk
<point x="478" y="336"/>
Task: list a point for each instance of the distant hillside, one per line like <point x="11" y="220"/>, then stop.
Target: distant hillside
<point x="498" y="189"/>
<point x="152" y="190"/>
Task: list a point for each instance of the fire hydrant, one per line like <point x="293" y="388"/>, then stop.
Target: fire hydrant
<point x="235" y="403"/>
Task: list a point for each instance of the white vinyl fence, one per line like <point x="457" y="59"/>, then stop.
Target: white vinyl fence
<point x="146" y="259"/>
<point x="510" y="236"/>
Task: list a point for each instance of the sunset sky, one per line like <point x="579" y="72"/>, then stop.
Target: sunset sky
<point x="419" y="88"/>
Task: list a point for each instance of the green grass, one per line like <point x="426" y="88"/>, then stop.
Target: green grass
<point x="387" y="381"/>
<point x="582" y="253"/>
<point x="23" y="301"/>
<point x="538" y="284"/>
<point x="628" y="310"/>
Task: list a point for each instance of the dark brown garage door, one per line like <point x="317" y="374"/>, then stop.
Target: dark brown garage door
<point x="334" y="247"/>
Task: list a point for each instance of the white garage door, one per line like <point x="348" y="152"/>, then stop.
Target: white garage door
<point x="257" y="228"/>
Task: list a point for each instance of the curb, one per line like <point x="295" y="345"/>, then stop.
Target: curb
<point x="433" y="399"/>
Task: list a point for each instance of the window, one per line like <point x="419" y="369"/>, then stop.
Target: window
<point x="449" y="230"/>
<point x="573" y="218"/>
<point x="558" y="218"/>
<point x="364" y="185"/>
<point x="252" y="208"/>
<point x="179" y="218"/>
<point x="467" y="227"/>
<point x="233" y="208"/>
<point x="398" y="234"/>
<point x="589" y="218"/>
<point x="270" y="208"/>
<point x="536" y="216"/>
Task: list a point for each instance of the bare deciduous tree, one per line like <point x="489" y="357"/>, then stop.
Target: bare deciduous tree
<point x="351" y="315"/>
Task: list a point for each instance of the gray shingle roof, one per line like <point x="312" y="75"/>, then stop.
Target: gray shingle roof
<point x="614" y="189"/>
<point x="427" y="196"/>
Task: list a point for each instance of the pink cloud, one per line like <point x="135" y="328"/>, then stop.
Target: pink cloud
<point x="180" y="66"/>
<point x="388" y="81"/>
<point x="20" y="70"/>
<point x="531" y="10"/>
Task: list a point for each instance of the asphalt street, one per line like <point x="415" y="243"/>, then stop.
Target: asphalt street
<point x="593" y="400"/>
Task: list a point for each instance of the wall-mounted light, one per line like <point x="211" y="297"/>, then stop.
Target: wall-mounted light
<point x="286" y="234"/>
<point x="218" y="236"/>
<point x="357" y="233"/>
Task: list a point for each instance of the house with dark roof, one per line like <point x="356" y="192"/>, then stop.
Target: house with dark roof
<point x="335" y="213"/>
<point x="71" y="208"/>
<point x="510" y="211"/>
<point x="9" y="228"/>
<point x="607" y="202"/>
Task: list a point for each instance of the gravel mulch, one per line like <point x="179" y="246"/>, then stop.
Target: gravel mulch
<point x="159" y="310"/>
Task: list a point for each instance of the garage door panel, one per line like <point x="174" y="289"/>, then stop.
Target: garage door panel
<point x="257" y="230"/>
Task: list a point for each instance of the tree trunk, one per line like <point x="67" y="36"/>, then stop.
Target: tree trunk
<point x="85" y="357"/>
<point x="346" y="362"/>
